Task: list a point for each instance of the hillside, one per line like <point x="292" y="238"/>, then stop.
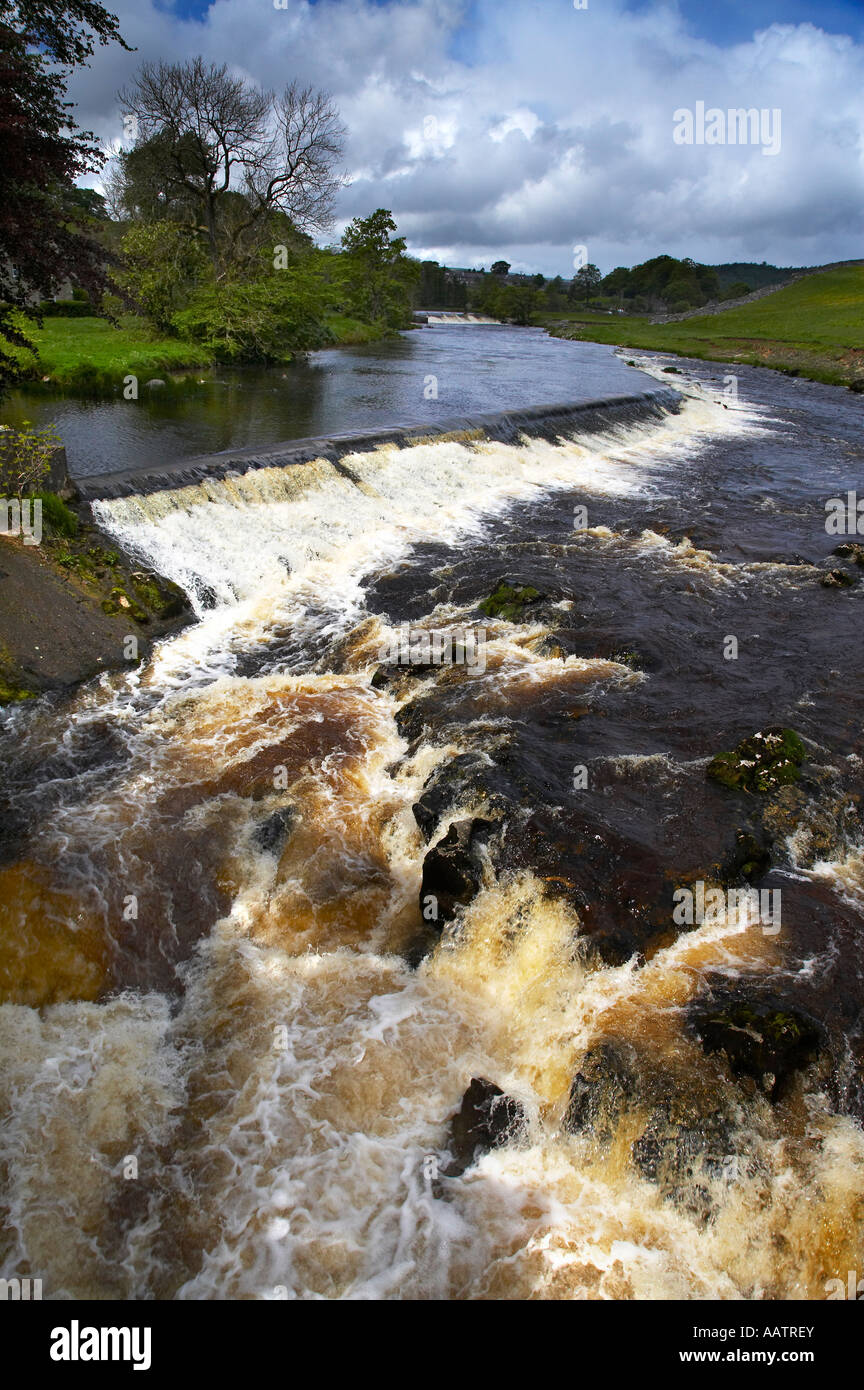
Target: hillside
<point x="812" y="328"/>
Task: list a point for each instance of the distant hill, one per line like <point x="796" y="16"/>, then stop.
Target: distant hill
<point x="756" y="274"/>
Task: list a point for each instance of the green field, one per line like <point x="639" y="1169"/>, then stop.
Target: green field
<point x="813" y="328"/>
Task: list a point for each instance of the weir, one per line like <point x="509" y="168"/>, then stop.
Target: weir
<point x="506" y="427"/>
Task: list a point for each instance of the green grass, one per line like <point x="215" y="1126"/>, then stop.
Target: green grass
<point x="90" y="354"/>
<point x="813" y="328"/>
<point x="347" y="331"/>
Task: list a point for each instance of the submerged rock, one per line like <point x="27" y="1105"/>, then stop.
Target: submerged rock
<point x="607" y="1078"/>
<point x="453" y="870"/>
<point x="486" y="1119"/>
<point x="761" y="763"/>
<point x="762" y="1037"/>
<point x="852" y="551"/>
<point x="272" y="833"/>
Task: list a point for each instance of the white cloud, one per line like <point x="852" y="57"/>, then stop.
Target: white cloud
<point x="542" y="126"/>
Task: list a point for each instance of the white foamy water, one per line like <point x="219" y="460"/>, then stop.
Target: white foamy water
<point x="278" y="1132"/>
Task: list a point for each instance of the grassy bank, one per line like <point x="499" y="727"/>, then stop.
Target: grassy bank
<point x="814" y="328"/>
<point x="91" y="356"/>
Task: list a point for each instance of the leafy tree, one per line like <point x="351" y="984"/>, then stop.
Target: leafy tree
<point x="266" y="318"/>
<point x="556" y="294"/>
<point x="162" y="265"/>
<point x="586" y="282"/>
<point x="501" y="268"/>
<point x="44" y="233"/>
<point x="220" y="155"/>
<point x="379" y="277"/>
<point x="25" y="459"/>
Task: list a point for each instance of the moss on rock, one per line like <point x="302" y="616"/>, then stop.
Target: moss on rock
<point x="508" y="601"/>
<point x="767" y="760"/>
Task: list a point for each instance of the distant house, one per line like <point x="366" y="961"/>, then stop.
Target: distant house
<point x="475" y="277"/>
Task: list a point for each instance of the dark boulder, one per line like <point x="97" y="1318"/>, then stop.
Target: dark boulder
<point x="453" y="869"/>
<point x="271" y="834"/>
<point x="762" y="1037"/>
<point x="852" y="550"/>
<point x="486" y="1119"/>
<point x="836" y="579"/>
<point x="468" y="776"/>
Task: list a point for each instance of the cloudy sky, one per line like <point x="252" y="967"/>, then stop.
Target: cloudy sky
<point x="524" y="128"/>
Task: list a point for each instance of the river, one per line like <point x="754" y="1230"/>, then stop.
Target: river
<point x="232" y="1046"/>
<point x="419" y="376"/>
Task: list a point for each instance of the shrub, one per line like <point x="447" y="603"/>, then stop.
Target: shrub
<point x="262" y="320"/>
<point x="65" y="309"/>
<point x="25" y="459"/>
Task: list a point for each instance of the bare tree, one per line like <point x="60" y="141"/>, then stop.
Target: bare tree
<point x="225" y="154"/>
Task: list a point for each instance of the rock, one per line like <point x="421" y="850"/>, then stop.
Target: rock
<point x="508" y="601"/>
<point x="486" y="1120"/>
<point x="749" y="861"/>
<point x="599" y="1092"/>
<point x="461" y="778"/>
<point x="453" y="870"/>
<point x="767" y="760"/>
<point x="837" y="579"/>
<point x="852" y="551"/>
<point x="685" y="1140"/>
<point x="762" y="1036"/>
<point x="272" y="833"/>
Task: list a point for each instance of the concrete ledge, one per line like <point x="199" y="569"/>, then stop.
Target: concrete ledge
<point x="544" y="421"/>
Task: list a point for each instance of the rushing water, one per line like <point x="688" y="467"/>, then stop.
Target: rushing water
<point x="227" y="1072"/>
<point x="420" y="376"/>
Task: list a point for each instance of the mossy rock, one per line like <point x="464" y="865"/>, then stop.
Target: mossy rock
<point x="837" y="579"/>
<point x="164" y="598"/>
<point x="11" y="693"/>
<point x="628" y="658"/>
<point x="852" y="551"/>
<point x="762" y="1038"/>
<point x="11" y="689"/>
<point x="508" y="601"/>
<point x="767" y="760"/>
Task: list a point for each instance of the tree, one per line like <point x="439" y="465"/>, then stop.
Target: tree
<point x="161" y="267"/>
<point x="379" y="276"/>
<point x="45" y="235"/>
<point x="501" y="268"/>
<point x="263" y="317"/>
<point x="556" y="292"/>
<point x="586" y="281"/>
<point x="218" y="155"/>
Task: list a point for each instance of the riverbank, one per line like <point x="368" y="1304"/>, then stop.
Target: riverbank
<point x="74" y="606"/>
<point x="813" y="328"/>
<point x="92" y="357"/>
